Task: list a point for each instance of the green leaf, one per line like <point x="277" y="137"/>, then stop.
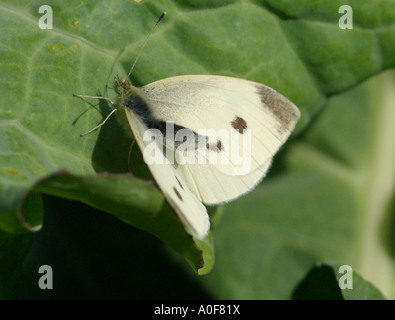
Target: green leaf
<point x="117" y="195"/>
<point x="295" y="47"/>
<point x="324" y="282"/>
<point x="12" y="255"/>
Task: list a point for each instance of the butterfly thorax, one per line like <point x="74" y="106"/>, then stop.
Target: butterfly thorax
<point x="131" y="98"/>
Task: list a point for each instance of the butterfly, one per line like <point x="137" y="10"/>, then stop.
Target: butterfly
<point x="206" y="139"/>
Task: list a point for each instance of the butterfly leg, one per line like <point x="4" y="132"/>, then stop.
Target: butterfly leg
<point x="105" y="120"/>
<point x="99" y="125"/>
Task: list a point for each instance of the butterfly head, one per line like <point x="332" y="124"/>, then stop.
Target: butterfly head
<point x="122" y="85"/>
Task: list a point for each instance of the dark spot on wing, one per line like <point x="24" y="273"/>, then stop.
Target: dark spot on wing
<point x="215" y="146"/>
<point x="179" y="183"/>
<point x="239" y="124"/>
<point x="283" y="109"/>
<point x="177" y="193"/>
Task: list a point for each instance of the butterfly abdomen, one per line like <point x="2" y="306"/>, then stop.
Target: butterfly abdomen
<point x="136" y="103"/>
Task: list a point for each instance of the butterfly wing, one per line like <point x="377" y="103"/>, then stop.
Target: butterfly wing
<point x="189" y="209"/>
<point x="256" y="118"/>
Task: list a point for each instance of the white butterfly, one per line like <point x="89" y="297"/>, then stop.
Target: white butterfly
<point x="209" y="104"/>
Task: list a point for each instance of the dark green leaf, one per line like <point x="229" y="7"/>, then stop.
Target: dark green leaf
<point x="324" y="282"/>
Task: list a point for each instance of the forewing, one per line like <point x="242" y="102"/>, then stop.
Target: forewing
<point x="256" y="119"/>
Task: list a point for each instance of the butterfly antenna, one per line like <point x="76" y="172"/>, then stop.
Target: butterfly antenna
<point x="145" y="42"/>
<point x="112" y="68"/>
